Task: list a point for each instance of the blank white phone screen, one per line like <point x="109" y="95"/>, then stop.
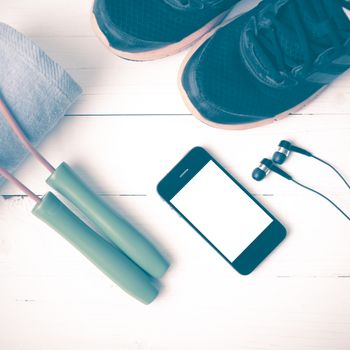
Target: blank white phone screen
<point x="221" y="211"/>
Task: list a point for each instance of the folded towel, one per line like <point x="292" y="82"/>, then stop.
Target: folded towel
<point x="37" y="91"/>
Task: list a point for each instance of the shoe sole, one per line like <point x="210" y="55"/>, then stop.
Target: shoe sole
<point x="162" y="52"/>
<point x="200" y="117"/>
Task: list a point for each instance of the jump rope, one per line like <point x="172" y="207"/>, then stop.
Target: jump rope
<point x="131" y="261"/>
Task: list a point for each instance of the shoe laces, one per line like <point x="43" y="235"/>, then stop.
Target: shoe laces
<point x="317" y="44"/>
<point x="193" y="4"/>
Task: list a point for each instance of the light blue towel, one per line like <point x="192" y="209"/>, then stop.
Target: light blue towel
<point x="37" y="91"/>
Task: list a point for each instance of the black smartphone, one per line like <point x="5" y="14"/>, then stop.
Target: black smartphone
<point x="221" y="210"/>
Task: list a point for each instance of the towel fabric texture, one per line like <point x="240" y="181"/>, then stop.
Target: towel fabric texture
<point x="36" y="90"/>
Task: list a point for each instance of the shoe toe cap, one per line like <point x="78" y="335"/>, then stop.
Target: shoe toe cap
<point x="222" y="90"/>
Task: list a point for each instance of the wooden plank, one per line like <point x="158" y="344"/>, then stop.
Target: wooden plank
<point x="130" y="154"/>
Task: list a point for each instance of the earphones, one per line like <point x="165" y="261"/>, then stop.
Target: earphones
<point x="285" y="148"/>
<point x="265" y="167"/>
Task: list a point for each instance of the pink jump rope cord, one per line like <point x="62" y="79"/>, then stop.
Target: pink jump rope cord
<point x="11" y="178"/>
<point x="19" y="133"/>
<point x="26" y="143"/>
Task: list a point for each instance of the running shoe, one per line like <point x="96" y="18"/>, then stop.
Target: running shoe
<point x="267" y="63"/>
<point x="150" y="29"/>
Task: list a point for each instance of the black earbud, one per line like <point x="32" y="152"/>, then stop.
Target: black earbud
<point x="279" y="157"/>
<point x="284" y="150"/>
<point x="267" y="165"/>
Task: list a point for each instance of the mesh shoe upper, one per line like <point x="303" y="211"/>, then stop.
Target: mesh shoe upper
<point x="137" y="25"/>
<point x="232" y="80"/>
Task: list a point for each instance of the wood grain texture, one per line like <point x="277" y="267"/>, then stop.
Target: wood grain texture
<point x="125" y="132"/>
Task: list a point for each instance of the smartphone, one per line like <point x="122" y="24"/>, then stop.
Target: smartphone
<point x="221" y="210"/>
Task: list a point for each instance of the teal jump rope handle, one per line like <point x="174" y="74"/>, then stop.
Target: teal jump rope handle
<point x="108" y="258"/>
<point x="108" y="222"/>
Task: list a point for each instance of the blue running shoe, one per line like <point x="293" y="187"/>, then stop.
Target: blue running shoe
<point x="267" y="63"/>
<point x="150" y="29"/>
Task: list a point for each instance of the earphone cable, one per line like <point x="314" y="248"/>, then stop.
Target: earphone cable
<point x="322" y="195"/>
<point x="333" y="168"/>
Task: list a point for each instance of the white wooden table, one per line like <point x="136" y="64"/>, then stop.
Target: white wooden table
<point x="125" y="132"/>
